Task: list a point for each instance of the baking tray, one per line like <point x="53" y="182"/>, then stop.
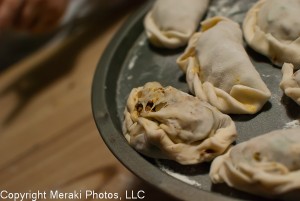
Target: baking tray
<point x="130" y="61"/>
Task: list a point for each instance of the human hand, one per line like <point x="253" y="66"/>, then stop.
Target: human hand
<point x="31" y="15"/>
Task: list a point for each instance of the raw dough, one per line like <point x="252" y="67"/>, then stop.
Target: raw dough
<point x="272" y="28"/>
<point x="290" y="82"/>
<point x="267" y="165"/>
<point x="219" y="71"/>
<point x="168" y="123"/>
<point x="171" y="23"/>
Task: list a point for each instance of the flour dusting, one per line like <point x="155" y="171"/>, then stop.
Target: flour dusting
<point x="132" y="62"/>
<point x="142" y="43"/>
<point x="232" y="9"/>
<point x="178" y="176"/>
<point x="129" y="77"/>
<point x="292" y="124"/>
<point x="266" y="75"/>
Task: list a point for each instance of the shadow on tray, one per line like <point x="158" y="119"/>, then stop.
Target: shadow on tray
<point x="292" y="108"/>
<point x="223" y="189"/>
<point x="165" y="51"/>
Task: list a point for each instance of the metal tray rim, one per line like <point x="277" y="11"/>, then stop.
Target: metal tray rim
<point x="114" y="138"/>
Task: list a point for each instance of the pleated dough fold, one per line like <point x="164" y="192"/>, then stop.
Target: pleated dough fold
<point x="272" y="28"/>
<point x="168" y="123"/>
<point x="290" y="82"/>
<point x="219" y="71"/>
<point x="171" y="23"/>
<point x="267" y="165"/>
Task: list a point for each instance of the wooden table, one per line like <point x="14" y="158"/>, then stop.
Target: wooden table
<point x="48" y="138"/>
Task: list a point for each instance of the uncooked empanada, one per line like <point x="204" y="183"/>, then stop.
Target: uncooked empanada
<point x="219" y="71"/>
<point x="170" y="124"/>
<point x="267" y="165"/>
<point x="171" y="23"/>
<point x="290" y="82"/>
<point x="272" y="28"/>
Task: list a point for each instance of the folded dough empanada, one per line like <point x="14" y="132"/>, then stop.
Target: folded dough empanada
<point x="170" y="124"/>
<point x="267" y="165"/>
<point x="290" y="82"/>
<point x="171" y="23"/>
<point x="272" y="28"/>
<point x="219" y="71"/>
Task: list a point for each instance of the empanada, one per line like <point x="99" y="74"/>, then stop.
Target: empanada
<point x="170" y="124"/>
<point x="171" y="23"/>
<point x="272" y="28"/>
<point x="267" y="165"/>
<point x="219" y="71"/>
<point x="290" y="82"/>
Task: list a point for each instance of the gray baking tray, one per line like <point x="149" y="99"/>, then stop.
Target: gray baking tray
<point x="130" y="61"/>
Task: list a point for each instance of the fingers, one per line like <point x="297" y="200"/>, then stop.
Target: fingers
<point x="9" y="10"/>
<point x="55" y="10"/>
<point x="41" y="15"/>
<point x="29" y="14"/>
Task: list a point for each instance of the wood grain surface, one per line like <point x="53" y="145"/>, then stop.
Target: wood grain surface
<point x="48" y="138"/>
